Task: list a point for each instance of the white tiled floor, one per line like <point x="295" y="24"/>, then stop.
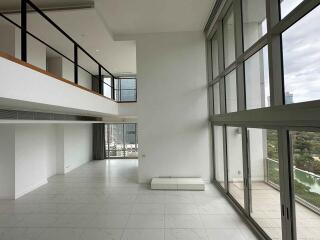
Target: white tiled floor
<point x="102" y="201"/>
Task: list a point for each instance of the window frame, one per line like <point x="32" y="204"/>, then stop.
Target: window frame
<point x="119" y="89"/>
<point x="124" y="149"/>
<point x="277" y="116"/>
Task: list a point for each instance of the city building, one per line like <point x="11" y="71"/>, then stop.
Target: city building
<point x="99" y="97"/>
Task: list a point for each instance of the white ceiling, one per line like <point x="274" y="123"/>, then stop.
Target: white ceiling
<point x="96" y="28"/>
<point x="15" y="4"/>
<point x="86" y="27"/>
<point x="154" y="16"/>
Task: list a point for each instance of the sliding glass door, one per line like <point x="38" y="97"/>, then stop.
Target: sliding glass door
<point x="235" y="164"/>
<point x="121" y="140"/>
<point x="130" y="140"/>
<point x="305" y="157"/>
<point x="264" y="186"/>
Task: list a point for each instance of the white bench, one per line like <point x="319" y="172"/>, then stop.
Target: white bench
<point x="195" y="184"/>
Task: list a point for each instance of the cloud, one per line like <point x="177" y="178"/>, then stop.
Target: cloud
<point x="301" y="57"/>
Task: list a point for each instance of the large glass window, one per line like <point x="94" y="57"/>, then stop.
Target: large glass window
<point x="215" y="56"/>
<point x="130" y="140"/>
<point x="305" y="151"/>
<point x="288" y="5"/>
<point x="115" y="140"/>
<point x="254" y="21"/>
<point x="235" y="164"/>
<point x="265" y="196"/>
<point x="121" y="140"/>
<point x="301" y="59"/>
<point x="257" y="80"/>
<point x="231" y="92"/>
<point x="126" y="90"/>
<point x="216" y="97"/>
<point x="218" y="155"/>
<point x="229" y="39"/>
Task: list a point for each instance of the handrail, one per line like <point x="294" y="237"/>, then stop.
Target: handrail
<point x="44" y="43"/>
<point x="25" y="33"/>
<point x="298" y="169"/>
<point x="64" y="33"/>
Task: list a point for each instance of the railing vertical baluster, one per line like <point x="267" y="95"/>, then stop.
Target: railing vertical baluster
<point x="100" y="80"/>
<point x="112" y="88"/>
<point x="24" y="30"/>
<point x="75" y="63"/>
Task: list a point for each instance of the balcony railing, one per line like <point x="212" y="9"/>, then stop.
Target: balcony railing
<point x="27" y="5"/>
<point x="309" y="181"/>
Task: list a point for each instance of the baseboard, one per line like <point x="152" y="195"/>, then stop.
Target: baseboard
<point x="31" y="188"/>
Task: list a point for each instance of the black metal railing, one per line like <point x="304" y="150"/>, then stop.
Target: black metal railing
<point x="24" y="49"/>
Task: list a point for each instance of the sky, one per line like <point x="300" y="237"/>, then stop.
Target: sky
<point x="301" y="54"/>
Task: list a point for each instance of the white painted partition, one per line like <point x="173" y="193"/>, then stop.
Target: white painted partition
<point x="20" y="84"/>
<point x="7" y="153"/>
<point x="172" y="106"/>
<point x="31" y="153"/>
<point x="74" y="146"/>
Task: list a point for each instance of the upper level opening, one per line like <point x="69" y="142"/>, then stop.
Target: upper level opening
<point x="56" y="43"/>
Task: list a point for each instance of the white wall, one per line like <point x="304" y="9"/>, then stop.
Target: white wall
<point x="7" y="154"/>
<point x="257" y="153"/>
<point x="36" y="51"/>
<point x="40" y="91"/>
<point x="84" y="78"/>
<point x="35" y="156"/>
<point x="77" y="145"/>
<point x="219" y="155"/>
<point x="172" y="106"/>
<point x="7" y="39"/>
<point x="234" y="153"/>
<point x="31" y="153"/>
<point x="54" y="65"/>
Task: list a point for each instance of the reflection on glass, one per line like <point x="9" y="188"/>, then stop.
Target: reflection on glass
<point x="125" y="89"/>
<point x="257" y="80"/>
<point x="106" y="90"/>
<point x="107" y="80"/>
<point x="121" y="140"/>
<point x="215" y="55"/>
<point x="305" y="151"/>
<point x="228" y="39"/>
<point x="254" y="21"/>
<point x="288" y="5"/>
<point x="210" y="102"/>
<point x="107" y="87"/>
<point x="130" y="140"/>
<point x="272" y="162"/>
<point x="235" y="164"/>
<point x="116" y="144"/>
<point x="301" y="59"/>
<point x="231" y="92"/>
<point x="128" y="95"/>
<point x="216" y="96"/>
<point x="128" y="83"/>
<point x="218" y="155"/>
<point x="265" y="195"/>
